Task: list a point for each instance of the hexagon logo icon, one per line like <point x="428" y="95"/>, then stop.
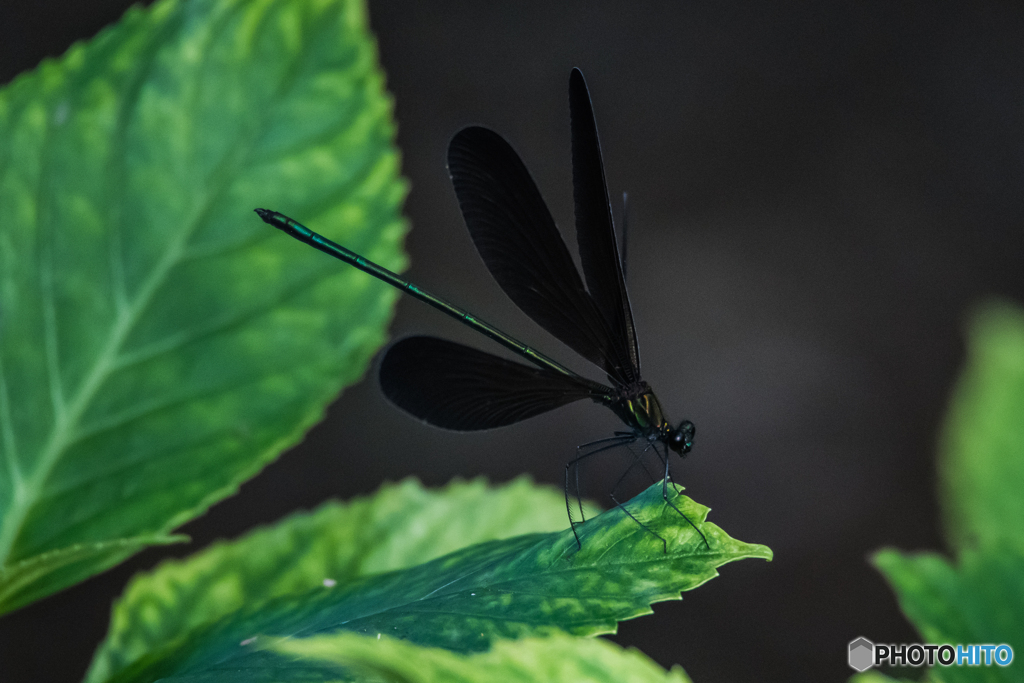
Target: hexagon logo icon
<point x="862" y="654"/>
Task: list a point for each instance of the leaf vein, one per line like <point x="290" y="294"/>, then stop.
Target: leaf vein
<point x="9" y="437"/>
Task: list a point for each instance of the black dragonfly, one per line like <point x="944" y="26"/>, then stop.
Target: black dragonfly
<point x="457" y="387"/>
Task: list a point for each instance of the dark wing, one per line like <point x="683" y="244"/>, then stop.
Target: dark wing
<point x="595" y="233"/>
<point x="458" y="387"/>
<point x="518" y="241"/>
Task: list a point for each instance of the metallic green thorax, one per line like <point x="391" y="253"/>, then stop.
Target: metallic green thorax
<point x="639" y="408"/>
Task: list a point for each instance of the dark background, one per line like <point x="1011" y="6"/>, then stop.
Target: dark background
<point x="820" y="193"/>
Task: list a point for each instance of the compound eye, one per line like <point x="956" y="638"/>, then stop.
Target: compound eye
<point x="677" y="441"/>
<point x="681" y="439"/>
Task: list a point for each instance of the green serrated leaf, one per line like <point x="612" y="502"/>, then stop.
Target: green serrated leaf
<point x="158" y="343"/>
<point x="530" y="585"/>
<point x="400" y="526"/>
<point x="556" y="658"/>
<point x="981" y="457"/>
<point x="981" y="601"/>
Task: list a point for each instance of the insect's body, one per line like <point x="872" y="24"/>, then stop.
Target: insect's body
<point x="458" y="387"/>
<point x="639" y="408"/>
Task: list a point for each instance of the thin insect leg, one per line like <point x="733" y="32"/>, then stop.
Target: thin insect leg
<point x="610" y="442"/>
<point x="617" y="437"/>
<point x="637" y="460"/>
<point x="579" y="493"/>
<point x="615" y="440"/>
<point x="615" y="488"/>
<point x="643" y="465"/>
<point x="664" y="495"/>
<point x="665" y="458"/>
<point x="621" y="438"/>
<point x="664" y="543"/>
<point x="678" y="488"/>
<point x="675" y="485"/>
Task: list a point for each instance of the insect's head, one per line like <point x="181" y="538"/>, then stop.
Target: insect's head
<point x="680" y="439"/>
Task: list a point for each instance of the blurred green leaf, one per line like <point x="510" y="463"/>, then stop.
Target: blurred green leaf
<point x="158" y="343"/>
<point x="875" y="677"/>
<point x="27" y="580"/>
<point x="557" y="658"/>
<point x="530" y="585"/>
<point x="979" y="598"/>
<point x="981" y="457"/>
<point x="400" y="526"/>
<point x="979" y="601"/>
